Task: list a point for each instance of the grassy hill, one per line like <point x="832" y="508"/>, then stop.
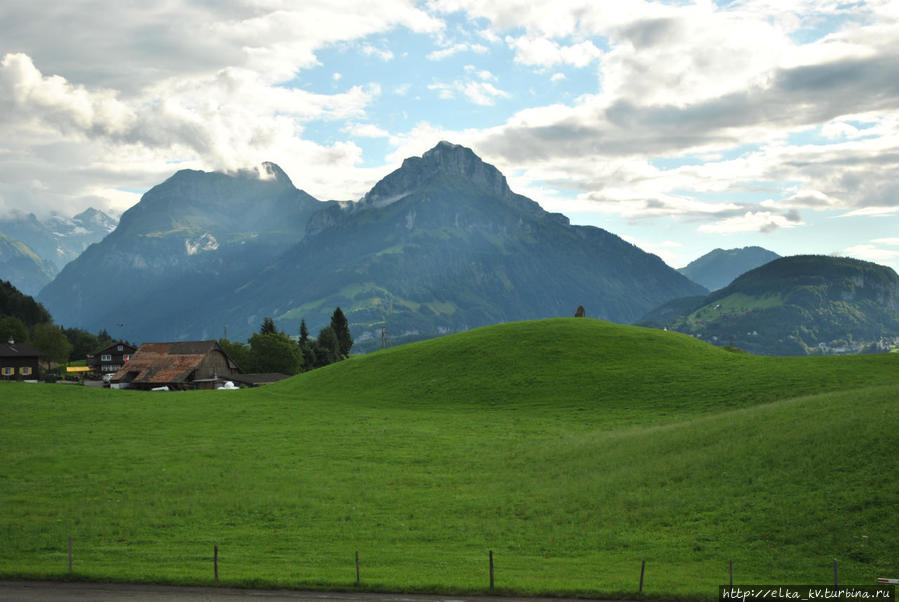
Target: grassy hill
<point x="796" y="305"/>
<point x="572" y="448"/>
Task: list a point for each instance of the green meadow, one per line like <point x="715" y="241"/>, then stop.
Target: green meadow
<point x="574" y="449"/>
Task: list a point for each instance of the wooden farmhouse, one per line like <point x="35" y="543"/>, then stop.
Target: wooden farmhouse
<point x="112" y="358"/>
<point x="178" y="366"/>
<point x="19" y="361"/>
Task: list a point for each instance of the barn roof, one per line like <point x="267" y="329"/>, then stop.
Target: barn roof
<point x="167" y="362"/>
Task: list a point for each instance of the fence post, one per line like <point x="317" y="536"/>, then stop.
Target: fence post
<point x="731" y="573"/>
<point x="642" y="570"/>
<point x="491" y="570"/>
<point x="70" y="556"/>
<point x="358" y="581"/>
<point x="215" y="562"/>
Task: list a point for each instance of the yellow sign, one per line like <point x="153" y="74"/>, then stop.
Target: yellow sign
<point x="77" y="369"/>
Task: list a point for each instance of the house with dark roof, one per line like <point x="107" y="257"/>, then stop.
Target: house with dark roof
<point x="19" y="361"/>
<point x="178" y="366"/>
<point x="111" y="358"/>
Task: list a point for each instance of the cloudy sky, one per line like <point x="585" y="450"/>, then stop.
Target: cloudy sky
<point x="681" y="126"/>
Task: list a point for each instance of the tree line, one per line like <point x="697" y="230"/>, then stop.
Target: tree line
<point x="271" y="350"/>
<point x="24" y="320"/>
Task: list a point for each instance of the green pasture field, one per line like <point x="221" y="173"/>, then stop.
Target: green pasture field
<point x="573" y="449"/>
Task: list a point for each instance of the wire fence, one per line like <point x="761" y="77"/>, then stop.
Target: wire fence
<point x="495" y="573"/>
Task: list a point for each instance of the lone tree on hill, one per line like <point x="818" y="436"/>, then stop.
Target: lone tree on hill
<point x="581" y="312"/>
<point x="342" y="330"/>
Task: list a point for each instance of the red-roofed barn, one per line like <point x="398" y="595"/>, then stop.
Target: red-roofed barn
<point x="179" y="366"/>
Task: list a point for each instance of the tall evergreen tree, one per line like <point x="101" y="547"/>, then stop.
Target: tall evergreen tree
<point x="342" y="330"/>
<point x="307" y="349"/>
<point x="304" y="334"/>
<point x="268" y="326"/>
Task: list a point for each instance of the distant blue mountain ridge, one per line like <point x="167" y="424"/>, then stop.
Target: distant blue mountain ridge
<point x="720" y="267"/>
<point x="439" y="245"/>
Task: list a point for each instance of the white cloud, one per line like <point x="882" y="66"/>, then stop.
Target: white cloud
<point x="365" y="130"/>
<point x="227" y="121"/>
<point x="804" y="199"/>
<point x="98" y="96"/>
<point x="870" y="252"/>
<point x="203" y="115"/>
<point x="691" y="54"/>
<point x="544" y="52"/>
<point x="483" y="74"/>
<point x="444" y="90"/>
<point x="26" y="93"/>
<point x="752" y="221"/>
<point x="439" y="55"/>
<point x="873" y="211"/>
<point x="127" y="46"/>
<point x="482" y="93"/>
<point x="477" y="92"/>
<point x="692" y="106"/>
<point x="381" y="53"/>
<point x="839" y="129"/>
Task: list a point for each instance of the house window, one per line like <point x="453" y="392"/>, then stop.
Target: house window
<point x="126" y="358"/>
<point x="8" y="371"/>
<point x="106" y="357"/>
<point x="25" y="370"/>
<point x="119" y="348"/>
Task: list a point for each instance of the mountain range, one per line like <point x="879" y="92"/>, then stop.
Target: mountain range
<point x="718" y="268"/>
<point x="33" y="250"/>
<point x="20" y="265"/>
<point x="794" y="306"/>
<point x="439" y="245"/>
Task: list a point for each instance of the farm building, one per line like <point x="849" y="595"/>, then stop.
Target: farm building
<point x="178" y="366"/>
<point x="19" y="361"/>
<point x="111" y="358"/>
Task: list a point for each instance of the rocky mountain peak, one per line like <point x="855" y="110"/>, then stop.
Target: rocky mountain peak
<point x="446" y="158"/>
<point x="270" y="171"/>
<point x="95" y="219"/>
<point x="264" y="172"/>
